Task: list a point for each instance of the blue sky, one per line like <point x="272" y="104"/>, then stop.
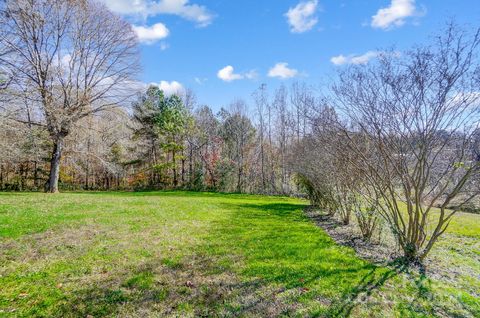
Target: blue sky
<point x="188" y="43"/>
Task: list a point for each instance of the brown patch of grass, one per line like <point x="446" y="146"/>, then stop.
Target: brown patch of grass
<point x="50" y="246"/>
<point x="189" y="290"/>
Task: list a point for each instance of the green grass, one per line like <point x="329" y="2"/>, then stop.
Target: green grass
<point x="171" y="254"/>
<point x="465" y="224"/>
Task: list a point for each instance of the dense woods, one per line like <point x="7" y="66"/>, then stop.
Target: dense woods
<point x="391" y="140"/>
<point x="166" y="142"/>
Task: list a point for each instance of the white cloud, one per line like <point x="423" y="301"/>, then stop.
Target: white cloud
<point x="170" y="88"/>
<point x="126" y="7"/>
<point x="364" y="58"/>
<point x="192" y="12"/>
<point x="151" y="34"/>
<point x="301" y="18"/>
<point x="354" y="59"/>
<point x="394" y="15"/>
<point x="227" y="74"/>
<point x="281" y="70"/>
<point x="339" y="60"/>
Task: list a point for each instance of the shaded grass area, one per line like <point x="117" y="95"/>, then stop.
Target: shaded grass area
<point x="170" y="254"/>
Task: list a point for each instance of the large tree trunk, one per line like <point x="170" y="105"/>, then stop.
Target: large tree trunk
<point x="52" y="186"/>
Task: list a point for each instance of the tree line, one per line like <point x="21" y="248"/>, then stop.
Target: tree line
<point x="395" y="141"/>
<point x="75" y="117"/>
<point x="165" y="142"/>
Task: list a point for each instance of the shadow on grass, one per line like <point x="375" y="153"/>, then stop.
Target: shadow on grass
<point x="287" y="211"/>
<point x="360" y="292"/>
<point x="281" y="246"/>
<point x="156" y="289"/>
<point x="260" y="259"/>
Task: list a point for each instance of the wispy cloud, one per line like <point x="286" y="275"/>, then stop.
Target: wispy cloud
<point x="200" y="81"/>
<point x="302" y="18"/>
<point x="164" y="46"/>
<point x="354" y="59"/>
<point x="253" y="74"/>
<point x="395" y="14"/>
<point x="145" y="8"/>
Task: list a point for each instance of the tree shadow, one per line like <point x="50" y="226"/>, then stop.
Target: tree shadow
<point x="288" y="210"/>
<point x="368" y="284"/>
<point x="282" y="247"/>
<point x="280" y="252"/>
<point x="187" y="290"/>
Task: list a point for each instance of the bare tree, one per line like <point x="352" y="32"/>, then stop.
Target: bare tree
<point x="417" y="112"/>
<point x="70" y="58"/>
<point x="205" y="146"/>
<point x="261" y="101"/>
<point x="302" y="100"/>
<point x="314" y="161"/>
<point x="238" y="133"/>
<point x="280" y="105"/>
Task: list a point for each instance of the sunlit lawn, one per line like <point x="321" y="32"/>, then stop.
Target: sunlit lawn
<point x="184" y="254"/>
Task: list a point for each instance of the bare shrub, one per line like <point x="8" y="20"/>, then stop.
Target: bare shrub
<point x="417" y="112"/>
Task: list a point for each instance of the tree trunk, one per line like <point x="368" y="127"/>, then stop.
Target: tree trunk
<point x="410" y="253"/>
<point x="5" y="178"/>
<point x="154" y="178"/>
<point x="262" y="159"/>
<point x="35" y="175"/>
<point x="87" y="174"/>
<point x="1" y="177"/>
<point x="190" y="167"/>
<point x="174" y="163"/>
<point x="52" y="186"/>
<point x="239" y="178"/>
<point x="183" y="168"/>
<point x="22" y="177"/>
<point x="87" y="168"/>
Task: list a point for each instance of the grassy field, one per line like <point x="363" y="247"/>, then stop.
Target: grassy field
<point x="182" y="254"/>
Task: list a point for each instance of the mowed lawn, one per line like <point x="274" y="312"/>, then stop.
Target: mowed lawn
<point x="182" y="254"/>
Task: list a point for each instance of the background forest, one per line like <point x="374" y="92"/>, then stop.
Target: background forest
<point x="167" y="142"/>
<point x="395" y="140"/>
